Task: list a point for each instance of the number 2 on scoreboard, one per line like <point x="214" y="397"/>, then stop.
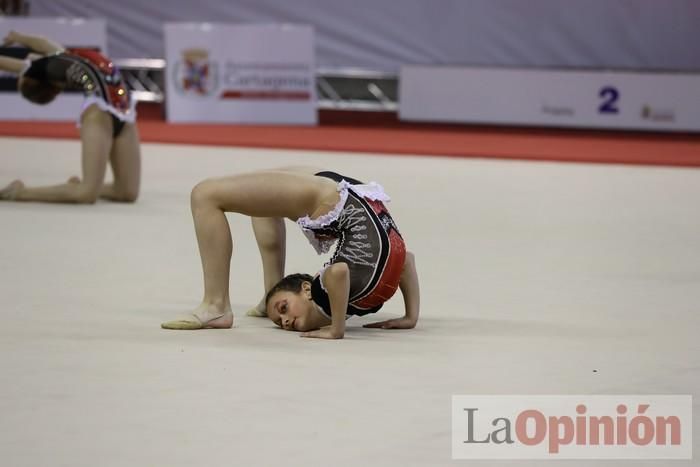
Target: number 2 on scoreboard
<point x="610" y="97"/>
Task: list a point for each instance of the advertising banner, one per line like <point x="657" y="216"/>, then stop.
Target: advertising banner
<point x="560" y="98"/>
<point x="226" y="73"/>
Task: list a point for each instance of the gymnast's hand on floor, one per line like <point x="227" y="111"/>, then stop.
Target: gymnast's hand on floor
<point x="326" y="332"/>
<point x="397" y="323"/>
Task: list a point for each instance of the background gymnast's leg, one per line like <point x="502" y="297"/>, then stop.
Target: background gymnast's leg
<point x="96" y="143"/>
<point x="125" y="160"/>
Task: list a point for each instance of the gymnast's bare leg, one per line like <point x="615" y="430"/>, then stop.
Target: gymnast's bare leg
<point x="96" y="144"/>
<point x="268" y="194"/>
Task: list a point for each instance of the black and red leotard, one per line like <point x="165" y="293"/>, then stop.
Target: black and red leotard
<point x="91" y="73"/>
<point x="368" y="242"/>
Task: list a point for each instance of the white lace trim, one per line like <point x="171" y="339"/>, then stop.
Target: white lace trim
<point x="129" y="116"/>
<point x="324" y="220"/>
<point x="372" y="190"/>
<point x="320" y="276"/>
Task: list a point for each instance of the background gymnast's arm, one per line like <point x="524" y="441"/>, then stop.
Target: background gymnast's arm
<point x="411" y="298"/>
<point x="12" y="65"/>
<point x="38" y="44"/>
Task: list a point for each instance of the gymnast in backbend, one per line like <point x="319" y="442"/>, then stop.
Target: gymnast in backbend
<point x="369" y="264"/>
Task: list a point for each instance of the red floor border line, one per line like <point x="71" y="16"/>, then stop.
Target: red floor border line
<point x="407" y="139"/>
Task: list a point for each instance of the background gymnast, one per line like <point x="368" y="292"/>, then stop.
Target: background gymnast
<point x="107" y="129"/>
<point x="369" y="263"/>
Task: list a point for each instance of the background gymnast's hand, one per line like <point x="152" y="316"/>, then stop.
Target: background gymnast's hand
<point x="10" y="38"/>
<point x="397" y="323"/>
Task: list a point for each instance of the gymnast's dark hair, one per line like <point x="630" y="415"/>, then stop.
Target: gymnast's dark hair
<point x="291" y="283"/>
<point x="38" y="92"/>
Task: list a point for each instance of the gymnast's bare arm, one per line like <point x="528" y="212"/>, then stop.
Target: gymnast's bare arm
<point x="11" y="65"/>
<point x="411" y="297"/>
<point x="38" y="44"/>
<point x="336" y="279"/>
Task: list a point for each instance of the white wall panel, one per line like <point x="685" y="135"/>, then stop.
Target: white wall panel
<point x="384" y="34"/>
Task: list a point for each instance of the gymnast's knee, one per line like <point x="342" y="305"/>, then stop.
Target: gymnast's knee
<point x="202" y="193"/>
<point x="84" y="194"/>
<point x="127" y="196"/>
<point x="199" y="194"/>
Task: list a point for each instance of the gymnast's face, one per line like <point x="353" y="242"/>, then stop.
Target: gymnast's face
<point x="295" y="311"/>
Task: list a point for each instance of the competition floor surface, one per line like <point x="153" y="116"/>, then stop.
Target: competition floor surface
<point x="536" y="278"/>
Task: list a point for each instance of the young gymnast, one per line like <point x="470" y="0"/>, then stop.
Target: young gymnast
<point x="107" y="129"/>
<point x="370" y="260"/>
